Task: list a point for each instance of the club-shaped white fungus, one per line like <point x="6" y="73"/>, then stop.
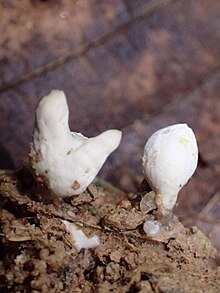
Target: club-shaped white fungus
<point x="170" y="159"/>
<point x="67" y="161"/>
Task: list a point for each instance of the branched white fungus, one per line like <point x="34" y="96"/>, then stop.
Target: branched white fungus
<point x="80" y="240"/>
<point x="67" y="161"/>
<point x="170" y="159"/>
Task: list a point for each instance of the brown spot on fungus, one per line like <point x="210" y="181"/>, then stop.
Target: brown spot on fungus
<point x="69" y="152"/>
<point x="35" y="157"/>
<point x="75" y="185"/>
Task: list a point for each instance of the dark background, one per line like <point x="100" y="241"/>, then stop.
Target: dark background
<point x="132" y="65"/>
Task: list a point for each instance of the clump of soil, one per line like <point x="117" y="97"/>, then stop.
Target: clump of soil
<point x="37" y="253"/>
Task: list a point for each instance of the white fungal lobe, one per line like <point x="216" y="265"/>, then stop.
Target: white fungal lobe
<point x="67" y="160"/>
<point x="79" y="239"/>
<point x="170" y="159"/>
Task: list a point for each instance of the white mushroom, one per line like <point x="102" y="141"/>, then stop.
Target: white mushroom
<point x="67" y="161"/>
<point x="170" y="159"/>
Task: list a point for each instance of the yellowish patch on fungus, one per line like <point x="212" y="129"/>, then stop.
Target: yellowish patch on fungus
<point x="184" y="140"/>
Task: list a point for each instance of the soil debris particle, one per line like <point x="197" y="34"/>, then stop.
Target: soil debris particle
<point x="38" y="255"/>
<point x="123" y="219"/>
<point x="75" y="185"/>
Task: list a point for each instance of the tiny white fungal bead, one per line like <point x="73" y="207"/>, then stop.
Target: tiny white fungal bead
<point x="170" y="159"/>
<point x="79" y="239"/>
<point x="151" y="227"/>
<point x="67" y="161"/>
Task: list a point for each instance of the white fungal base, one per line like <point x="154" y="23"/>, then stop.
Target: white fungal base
<point x="67" y="161"/>
<point x="79" y="239"/>
<point x="170" y="158"/>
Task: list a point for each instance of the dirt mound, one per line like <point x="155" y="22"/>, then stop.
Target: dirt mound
<point x="38" y="254"/>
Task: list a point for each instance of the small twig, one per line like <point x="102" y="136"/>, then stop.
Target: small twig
<point x="210" y="204"/>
